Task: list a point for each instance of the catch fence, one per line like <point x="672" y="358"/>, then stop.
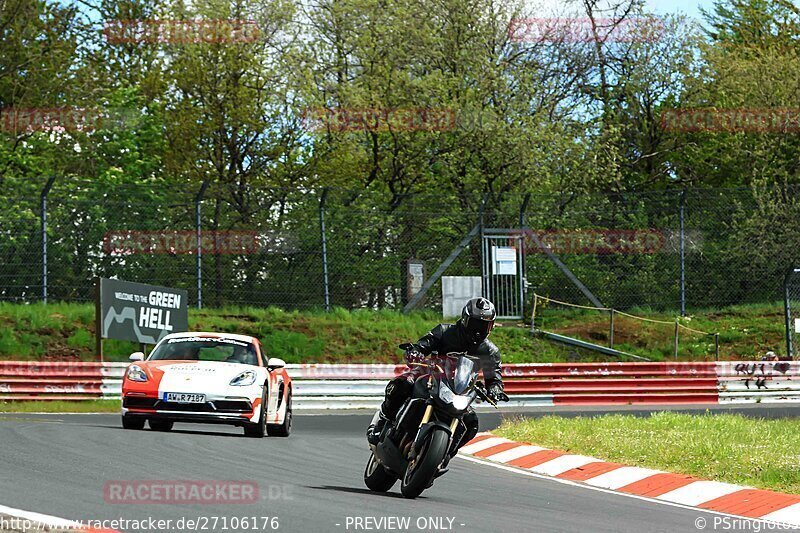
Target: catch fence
<point x="301" y="249"/>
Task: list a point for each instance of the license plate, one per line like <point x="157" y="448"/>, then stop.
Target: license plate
<point x="184" y="397"/>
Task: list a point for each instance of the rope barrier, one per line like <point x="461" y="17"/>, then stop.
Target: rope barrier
<point x="676" y="323"/>
<point x="573" y="305"/>
<point x="645" y="319"/>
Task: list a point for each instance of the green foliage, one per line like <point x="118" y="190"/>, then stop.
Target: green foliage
<point x="578" y="122"/>
<point x="66" y="331"/>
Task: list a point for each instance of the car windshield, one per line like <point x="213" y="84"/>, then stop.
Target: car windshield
<point x="205" y="349"/>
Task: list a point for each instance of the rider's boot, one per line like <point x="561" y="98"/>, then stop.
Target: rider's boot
<point x="376" y="427"/>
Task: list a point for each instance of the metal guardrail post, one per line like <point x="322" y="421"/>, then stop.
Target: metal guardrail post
<point x="677" y="326"/>
<point x="683" y="252"/>
<point x="522" y="221"/>
<point x="486" y="290"/>
<point x="325" y="280"/>
<point x="198" y="227"/>
<point x="611" y="330"/>
<point x="787" y="308"/>
<point x="43" y="215"/>
<point x="98" y="320"/>
<point x="589" y="346"/>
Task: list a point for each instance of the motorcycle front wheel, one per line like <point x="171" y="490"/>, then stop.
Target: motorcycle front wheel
<point x="376" y="478"/>
<point x="421" y="472"/>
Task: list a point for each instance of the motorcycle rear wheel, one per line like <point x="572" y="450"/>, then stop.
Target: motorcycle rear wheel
<point x="376" y="478"/>
<point x="423" y="469"/>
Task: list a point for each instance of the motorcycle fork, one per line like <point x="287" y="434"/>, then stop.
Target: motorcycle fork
<point x="425" y="419"/>
<point x="427" y="416"/>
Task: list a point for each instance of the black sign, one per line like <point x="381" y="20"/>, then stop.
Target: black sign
<point x="142" y="313"/>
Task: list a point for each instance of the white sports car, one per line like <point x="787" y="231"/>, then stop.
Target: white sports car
<point x="208" y="377"/>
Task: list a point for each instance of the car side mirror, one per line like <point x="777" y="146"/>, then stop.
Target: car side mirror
<point x="274" y="363"/>
<point x="137" y="356"/>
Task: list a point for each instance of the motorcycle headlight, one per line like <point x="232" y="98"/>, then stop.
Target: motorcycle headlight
<point x="245" y="378"/>
<point x="135" y="373"/>
<point x="459" y="401"/>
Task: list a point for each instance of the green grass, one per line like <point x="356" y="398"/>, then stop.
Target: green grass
<point x="730" y="448"/>
<point x="84" y="406"/>
<point x="745" y="331"/>
<point x="64" y="331"/>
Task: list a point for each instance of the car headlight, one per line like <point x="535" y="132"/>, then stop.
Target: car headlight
<point x="135" y="373"/>
<point x="245" y="378"/>
<point x="459" y="401"/>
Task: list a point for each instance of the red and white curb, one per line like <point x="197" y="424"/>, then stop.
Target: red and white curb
<point x="656" y="485"/>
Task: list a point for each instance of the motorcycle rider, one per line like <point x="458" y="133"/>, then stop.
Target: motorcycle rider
<point x="469" y="334"/>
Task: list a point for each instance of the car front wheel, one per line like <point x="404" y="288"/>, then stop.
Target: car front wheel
<point x="161" y="425"/>
<point x="259" y="429"/>
<point x="283" y="430"/>
<point x="132" y="422"/>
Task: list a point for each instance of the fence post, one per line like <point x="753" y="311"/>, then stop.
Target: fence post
<point x="523" y="280"/>
<point x="676" y="338"/>
<point x="787" y="308"/>
<point x="322" y="200"/>
<point x="485" y="252"/>
<point x="611" y="330"/>
<point x="683" y="252"/>
<point x="198" y="227"/>
<point x="43" y="215"/>
<point x="716" y="346"/>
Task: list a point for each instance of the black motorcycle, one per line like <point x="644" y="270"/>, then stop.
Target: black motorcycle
<point x="417" y="446"/>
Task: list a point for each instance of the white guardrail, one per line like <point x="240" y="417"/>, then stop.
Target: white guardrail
<point x="329" y="393"/>
<point x="353" y="386"/>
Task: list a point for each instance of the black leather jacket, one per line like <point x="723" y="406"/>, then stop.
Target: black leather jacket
<point x="446" y="338"/>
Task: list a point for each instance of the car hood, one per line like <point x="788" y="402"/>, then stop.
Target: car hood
<point x="186" y="375"/>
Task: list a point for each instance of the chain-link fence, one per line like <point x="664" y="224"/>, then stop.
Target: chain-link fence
<point x="697" y="248"/>
<point x="791" y="308"/>
<point x="257" y="247"/>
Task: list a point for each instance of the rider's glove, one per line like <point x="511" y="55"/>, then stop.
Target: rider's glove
<point x="497" y="394"/>
<point x="414" y="356"/>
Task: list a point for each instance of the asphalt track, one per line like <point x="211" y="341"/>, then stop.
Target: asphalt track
<point x="312" y="481"/>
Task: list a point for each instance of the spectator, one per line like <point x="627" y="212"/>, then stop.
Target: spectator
<point x="770" y="356"/>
